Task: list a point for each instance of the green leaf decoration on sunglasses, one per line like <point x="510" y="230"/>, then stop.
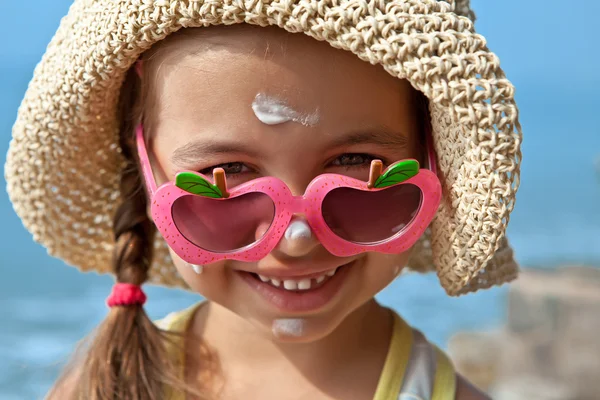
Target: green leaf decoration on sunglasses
<point x="196" y="184"/>
<point x="399" y="173"/>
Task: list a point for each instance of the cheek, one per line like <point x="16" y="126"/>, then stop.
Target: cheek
<point x="213" y="279"/>
<point x="381" y="269"/>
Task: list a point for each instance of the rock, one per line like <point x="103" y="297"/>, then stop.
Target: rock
<point x="551" y="340"/>
<point x="475" y="355"/>
<point x="531" y="388"/>
<point x="557" y="316"/>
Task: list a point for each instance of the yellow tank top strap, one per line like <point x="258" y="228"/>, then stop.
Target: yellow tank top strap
<point x="395" y="362"/>
<point x="444" y="384"/>
<point x="414" y="368"/>
<point x="177" y="323"/>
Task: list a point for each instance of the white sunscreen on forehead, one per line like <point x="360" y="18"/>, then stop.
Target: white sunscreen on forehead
<point x="288" y="327"/>
<point x="272" y="111"/>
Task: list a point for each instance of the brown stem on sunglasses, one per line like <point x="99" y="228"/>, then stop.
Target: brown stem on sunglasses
<point x="219" y="179"/>
<point x="374" y="173"/>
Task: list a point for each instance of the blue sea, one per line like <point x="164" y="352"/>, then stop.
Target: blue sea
<point x="46" y="307"/>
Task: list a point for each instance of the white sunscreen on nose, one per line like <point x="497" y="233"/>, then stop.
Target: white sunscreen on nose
<point x="288" y="327"/>
<point x="298" y="229"/>
<point x="272" y="111"/>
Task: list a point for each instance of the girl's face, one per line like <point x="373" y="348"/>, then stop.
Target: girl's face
<point x="332" y="113"/>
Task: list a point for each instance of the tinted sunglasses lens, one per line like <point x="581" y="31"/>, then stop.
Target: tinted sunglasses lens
<point x="222" y="226"/>
<point x="368" y="217"/>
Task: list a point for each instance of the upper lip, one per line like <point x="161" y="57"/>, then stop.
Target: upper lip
<point x="295" y="272"/>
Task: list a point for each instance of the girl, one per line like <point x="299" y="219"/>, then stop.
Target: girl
<point x="289" y="182"/>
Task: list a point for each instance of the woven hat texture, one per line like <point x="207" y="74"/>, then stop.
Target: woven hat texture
<point x="63" y="163"/>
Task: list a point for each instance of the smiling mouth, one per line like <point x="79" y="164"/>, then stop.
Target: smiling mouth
<point x="298" y="284"/>
<point x="299" y="294"/>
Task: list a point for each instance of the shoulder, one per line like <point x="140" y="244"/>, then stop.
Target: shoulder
<point x="177" y="321"/>
<point x="166" y="323"/>
<point x="466" y="391"/>
<point x="431" y="366"/>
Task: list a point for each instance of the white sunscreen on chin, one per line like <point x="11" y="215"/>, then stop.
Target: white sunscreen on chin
<point x="288" y="327"/>
<point x="272" y="111"/>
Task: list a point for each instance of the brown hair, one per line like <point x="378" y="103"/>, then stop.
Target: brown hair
<point x="126" y="356"/>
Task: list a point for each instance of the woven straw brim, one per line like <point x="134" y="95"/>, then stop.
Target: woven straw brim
<point x="63" y="164"/>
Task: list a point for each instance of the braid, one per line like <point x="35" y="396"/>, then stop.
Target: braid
<point x="127" y="359"/>
<point x="134" y="231"/>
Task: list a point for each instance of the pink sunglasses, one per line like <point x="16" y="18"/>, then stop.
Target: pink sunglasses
<point x="204" y="222"/>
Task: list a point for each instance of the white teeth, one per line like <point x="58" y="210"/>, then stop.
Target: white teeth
<point x="304" y="284"/>
<point x="290" y="285"/>
<point x="197" y="268"/>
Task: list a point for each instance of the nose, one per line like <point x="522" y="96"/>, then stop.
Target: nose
<point x="298" y="240"/>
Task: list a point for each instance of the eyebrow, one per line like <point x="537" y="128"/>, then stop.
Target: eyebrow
<point x="379" y="136"/>
<point x="191" y="152"/>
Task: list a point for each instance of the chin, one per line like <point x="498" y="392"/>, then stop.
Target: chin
<point x="303" y="329"/>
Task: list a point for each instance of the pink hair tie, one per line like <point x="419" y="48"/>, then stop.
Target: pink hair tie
<point x="126" y="294"/>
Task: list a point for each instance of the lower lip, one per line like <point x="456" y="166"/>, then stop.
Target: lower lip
<point x="299" y="301"/>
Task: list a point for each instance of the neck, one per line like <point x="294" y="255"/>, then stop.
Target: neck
<point x="360" y="342"/>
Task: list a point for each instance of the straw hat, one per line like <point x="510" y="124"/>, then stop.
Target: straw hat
<point x="63" y="164"/>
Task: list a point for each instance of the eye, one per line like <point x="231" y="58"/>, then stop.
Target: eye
<point x="354" y="160"/>
<point x="229" y="168"/>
